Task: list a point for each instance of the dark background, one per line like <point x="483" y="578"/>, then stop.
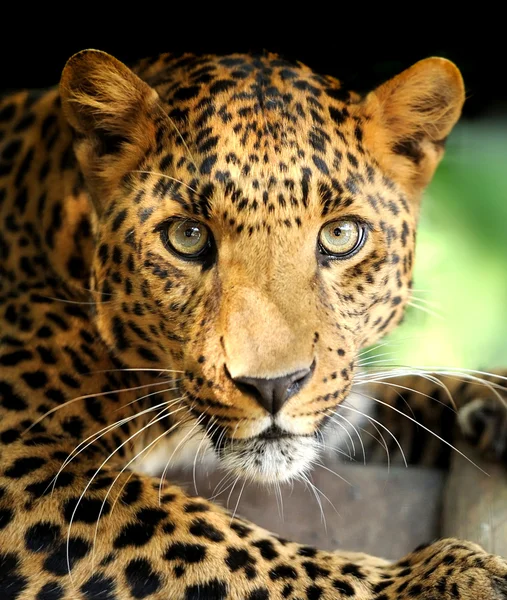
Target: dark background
<point x="358" y="47"/>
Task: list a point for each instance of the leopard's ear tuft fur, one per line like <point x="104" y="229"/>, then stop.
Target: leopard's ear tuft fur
<point x="413" y="113"/>
<point x="114" y="115"/>
<point x="426" y="100"/>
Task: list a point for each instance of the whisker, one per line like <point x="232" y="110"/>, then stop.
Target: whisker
<point x="343" y="428"/>
<point x="134" y="458"/>
<point x="423" y="301"/>
<point x="172" y="389"/>
<point x="182" y="441"/>
<point x="228" y="477"/>
<point x="72" y="400"/>
<point x="381" y="441"/>
<point x="371" y="419"/>
<point x="429" y="431"/>
<point x="473" y="371"/>
<point x="356" y="432"/>
<point x="66" y="301"/>
<point x="419" y="392"/>
<point x="373" y="348"/>
<point x="230" y="493"/>
<point x="304" y="477"/>
<point x="138" y="370"/>
<point x="279" y="500"/>
<point x="120" y="491"/>
<point x="373" y="359"/>
<point x="426" y="310"/>
<point x="87" y="486"/>
<point x="167" y="177"/>
<point x="399" y="341"/>
<point x="239" y="498"/>
<point x="322" y="466"/>
<point x="180" y="135"/>
<point x="207" y="431"/>
<point x="455" y="373"/>
<point x="340" y="451"/>
<point x="97" y="435"/>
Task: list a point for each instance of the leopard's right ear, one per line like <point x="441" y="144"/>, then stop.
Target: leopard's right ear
<point x="115" y="116"/>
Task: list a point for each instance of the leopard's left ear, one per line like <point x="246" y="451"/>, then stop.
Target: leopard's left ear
<point x="114" y="115"/>
<point x="411" y="116"/>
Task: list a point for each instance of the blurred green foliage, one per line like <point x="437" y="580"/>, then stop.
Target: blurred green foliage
<point x="461" y="258"/>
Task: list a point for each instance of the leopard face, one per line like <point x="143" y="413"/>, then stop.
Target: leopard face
<point x="255" y="230"/>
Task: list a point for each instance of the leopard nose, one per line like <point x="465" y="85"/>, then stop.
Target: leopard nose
<point x="273" y="393"/>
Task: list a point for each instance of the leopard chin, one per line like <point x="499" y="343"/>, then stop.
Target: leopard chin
<point x="272" y="456"/>
<point x="270" y="460"/>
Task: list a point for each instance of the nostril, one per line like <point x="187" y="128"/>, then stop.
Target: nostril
<point x="250" y="389"/>
<point x="301" y="379"/>
<point x="273" y="393"/>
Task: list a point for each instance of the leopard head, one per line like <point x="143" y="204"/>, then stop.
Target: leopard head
<point x="256" y="229"/>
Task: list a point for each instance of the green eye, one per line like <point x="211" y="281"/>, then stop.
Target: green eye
<point x="188" y="238"/>
<point x="341" y="238"/>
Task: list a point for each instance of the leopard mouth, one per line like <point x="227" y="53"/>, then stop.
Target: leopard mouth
<point x="275" y="433"/>
<point x="270" y="460"/>
<point x="271" y="455"/>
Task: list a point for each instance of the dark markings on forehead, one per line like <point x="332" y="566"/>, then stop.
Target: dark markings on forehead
<point x="259" y="135"/>
<point x="193" y="90"/>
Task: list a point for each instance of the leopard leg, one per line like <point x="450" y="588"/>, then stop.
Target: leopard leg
<point x="418" y="419"/>
<point x="124" y="537"/>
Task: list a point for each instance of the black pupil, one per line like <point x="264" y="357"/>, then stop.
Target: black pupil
<point x="337" y="232"/>
<point x="191" y="232"/>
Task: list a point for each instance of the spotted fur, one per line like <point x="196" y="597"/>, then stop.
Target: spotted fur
<point x="117" y="354"/>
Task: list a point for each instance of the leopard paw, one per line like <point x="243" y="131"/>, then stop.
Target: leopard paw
<point x="483" y="422"/>
<point x="450" y="570"/>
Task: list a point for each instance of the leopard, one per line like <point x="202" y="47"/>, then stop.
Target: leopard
<point x="195" y="251"/>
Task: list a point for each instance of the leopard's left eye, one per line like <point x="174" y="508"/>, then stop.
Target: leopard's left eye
<point x="189" y="239"/>
<point x="342" y="238"/>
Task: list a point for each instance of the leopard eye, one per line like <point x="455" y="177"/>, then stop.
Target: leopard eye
<point x="341" y="238"/>
<point x="188" y="238"/>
